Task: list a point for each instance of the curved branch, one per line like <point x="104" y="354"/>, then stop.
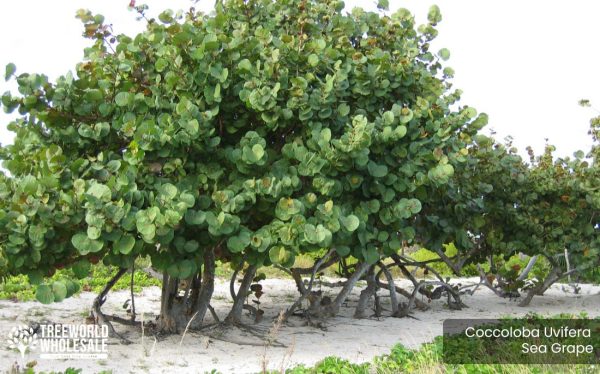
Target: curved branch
<point x="554" y="276"/>
<point x="457" y="305"/>
<point x="306" y="291"/>
<point x="96" y="312"/>
<point x="391" y="286"/>
<point x="528" y="268"/>
<point x="232" y="283"/>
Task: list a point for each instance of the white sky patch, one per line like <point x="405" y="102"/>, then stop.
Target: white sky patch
<point x="524" y="63"/>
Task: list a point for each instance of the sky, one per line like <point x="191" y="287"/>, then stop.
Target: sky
<point x="524" y="63"/>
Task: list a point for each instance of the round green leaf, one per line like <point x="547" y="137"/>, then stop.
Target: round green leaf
<point x="191" y="246"/>
<point x="148" y="230"/>
<point x="237" y="243"/>
<point x="93" y="95"/>
<point x="10" y="70"/>
<point x="85" y="245"/>
<point x="81" y="242"/>
<point x="59" y="289"/>
<point x="444" y="54"/>
<point x="81" y="269"/>
<point x="195" y="217"/>
<point x="316" y="235"/>
<point x="161" y="64"/>
<point x="400" y="131"/>
<point x="342" y="251"/>
<point x="44" y="294"/>
<point x="169" y="191"/>
<point x="186" y="269"/>
<point x="93" y="232"/>
<point x="100" y="192"/>
<point x="350" y="222"/>
<point x="188" y="199"/>
<point x="245" y="64"/>
<point x="173" y="270"/>
<point x="125" y="244"/>
<point x="35" y="277"/>
<point x="383" y="4"/>
<point x="377" y="171"/>
<point x="72" y="287"/>
<point x="371" y="256"/>
<point x="343" y="109"/>
<point x="435" y="15"/>
<point x="281" y="256"/>
<point x="258" y="151"/>
<point x="123" y="98"/>
<point x="191" y="127"/>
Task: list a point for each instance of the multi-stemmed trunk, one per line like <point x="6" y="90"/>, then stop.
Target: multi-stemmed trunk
<point x="179" y="312"/>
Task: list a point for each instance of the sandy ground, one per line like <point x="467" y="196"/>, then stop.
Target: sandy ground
<point x="356" y="340"/>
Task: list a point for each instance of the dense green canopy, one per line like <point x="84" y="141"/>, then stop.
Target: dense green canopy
<point x="265" y="130"/>
<point x="274" y="127"/>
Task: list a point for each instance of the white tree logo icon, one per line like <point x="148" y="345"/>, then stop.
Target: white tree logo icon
<point x="22" y="338"/>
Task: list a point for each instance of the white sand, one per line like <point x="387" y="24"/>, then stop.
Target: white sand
<point x="356" y="340"/>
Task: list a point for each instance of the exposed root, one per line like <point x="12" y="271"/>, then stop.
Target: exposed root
<point x="391" y="288"/>
<point x="554" y="276"/>
<point x="332" y="284"/>
<point x="100" y="318"/>
<point x="218" y="331"/>
<point x="214" y="314"/>
<point x="306" y="292"/>
<point x="419" y="304"/>
<point x="455" y="304"/>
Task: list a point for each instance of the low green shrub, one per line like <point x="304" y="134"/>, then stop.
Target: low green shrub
<point x="19" y="288"/>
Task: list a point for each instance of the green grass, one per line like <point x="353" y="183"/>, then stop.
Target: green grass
<point x="31" y="370"/>
<point x="427" y="359"/>
<point x="18" y="288"/>
<point x="100" y="275"/>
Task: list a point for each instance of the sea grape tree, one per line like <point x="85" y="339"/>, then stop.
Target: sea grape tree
<point x="498" y="206"/>
<point x="471" y="210"/>
<point x="249" y="135"/>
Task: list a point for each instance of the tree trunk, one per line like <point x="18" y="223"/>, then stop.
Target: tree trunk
<point x="96" y="312"/>
<point x="207" y="288"/>
<point x="178" y="313"/>
<point x="366" y="295"/>
<point x="235" y="315"/>
<point x="554" y="276"/>
<point x="334" y="308"/>
<point x="167" y="321"/>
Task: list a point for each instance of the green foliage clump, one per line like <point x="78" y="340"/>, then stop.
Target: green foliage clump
<point x="424" y="254"/>
<point x="17" y="288"/>
<point x="100" y="275"/>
